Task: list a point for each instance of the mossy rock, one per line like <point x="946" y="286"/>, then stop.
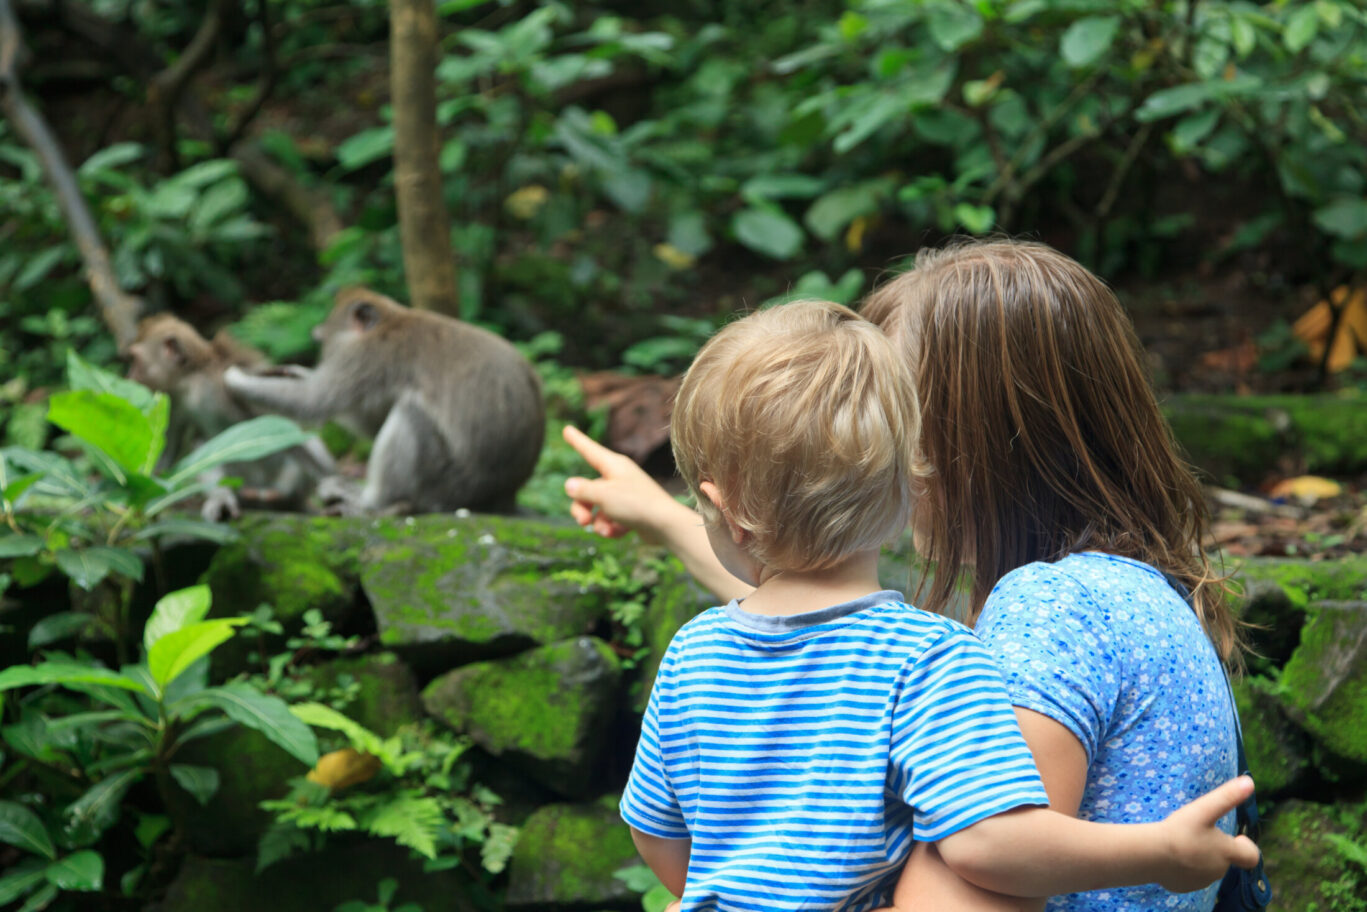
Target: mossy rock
<point x="675" y="599"/>
<point x="1304" y="858"/>
<point x="315" y="882"/>
<point x="547" y="710"/>
<point x="291" y="562"/>
<point x="1278" y="752"/>
<point x="388" y="696"/>
<point x="251" y="769"/>
<point x="1325" y="682"/>
<point x="1242" y="439"/>
<point x="449" y="590"/>
<point x="567" y="855"/>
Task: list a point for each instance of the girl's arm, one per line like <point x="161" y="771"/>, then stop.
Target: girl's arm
<point x="1039" y="852"/>
<point x="926" y="879"/>
<point x="668" y="858"/>
<point x="624" y="498"/>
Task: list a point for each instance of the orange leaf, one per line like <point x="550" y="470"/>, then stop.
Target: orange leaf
<point x="344" y="767"/>
<point x="1305" y="488"/>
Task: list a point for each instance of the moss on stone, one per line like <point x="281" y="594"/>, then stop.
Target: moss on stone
<point x="547" y="708"/>
<point x="388" y="693"/>
<point x="447" y="590"/>
<point x="1242" y="438"/>
<point x="1277" y="751"/>
<point x="1308" y="871"/>
<point x="567" y="855"/>
<point x="1325" y="682"/>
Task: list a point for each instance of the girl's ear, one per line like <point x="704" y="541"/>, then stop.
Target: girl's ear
<point x="710" y="491"/>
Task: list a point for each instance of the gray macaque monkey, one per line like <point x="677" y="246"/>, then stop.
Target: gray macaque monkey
<point x="455" y="411"/>
<point x="171" y="357"/>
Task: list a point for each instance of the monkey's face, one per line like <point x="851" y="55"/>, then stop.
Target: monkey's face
<point x="157" y="360"/>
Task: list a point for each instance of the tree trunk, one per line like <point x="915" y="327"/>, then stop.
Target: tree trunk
<point x="423" y="224"/>
<point x="119" y="310"/>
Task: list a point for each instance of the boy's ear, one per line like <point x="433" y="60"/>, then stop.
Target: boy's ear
<point x="710" y="491"/>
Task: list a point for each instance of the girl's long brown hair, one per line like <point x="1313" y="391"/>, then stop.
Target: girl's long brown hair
<point x="1040" y="426"/>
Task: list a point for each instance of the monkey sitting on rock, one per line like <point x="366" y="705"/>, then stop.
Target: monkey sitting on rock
<point x="455" y="411"/>
<point x="169" y="356"/>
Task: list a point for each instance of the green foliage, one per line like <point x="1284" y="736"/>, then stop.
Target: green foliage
<point x="420" y="796"/>
<point x="627" y="589"/>
<point x="127" y="727"/>
<point x="387" y="888"/>
<point x="640" y="879"/>
<point x="94" y="518"/>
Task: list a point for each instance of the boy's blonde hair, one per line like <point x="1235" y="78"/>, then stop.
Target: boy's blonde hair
<point x="805" y="418"/>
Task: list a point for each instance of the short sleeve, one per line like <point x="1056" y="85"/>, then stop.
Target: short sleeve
<point x="957" y="754"/>
<point x="648" y="802"/>
<point x="1053" y="643"/>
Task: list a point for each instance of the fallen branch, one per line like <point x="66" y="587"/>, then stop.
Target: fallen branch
<point x="119" y="310"/>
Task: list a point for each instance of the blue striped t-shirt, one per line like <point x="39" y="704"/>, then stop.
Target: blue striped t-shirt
<point x="803" y="754"/>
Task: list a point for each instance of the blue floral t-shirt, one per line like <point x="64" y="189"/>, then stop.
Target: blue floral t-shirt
<point x="1105" y="647"/>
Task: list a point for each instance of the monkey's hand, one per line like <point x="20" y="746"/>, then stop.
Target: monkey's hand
<point x="340" y="496"/>
<point x="287" y="371"/>
<point x="220" y="505"/>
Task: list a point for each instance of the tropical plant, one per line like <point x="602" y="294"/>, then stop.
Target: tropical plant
<point x="416" y="792"/>
<point x="97" y="517"/>
<point x="127" y="726"/>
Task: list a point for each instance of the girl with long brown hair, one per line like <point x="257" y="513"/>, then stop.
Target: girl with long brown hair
<point x="1056" y="498"/>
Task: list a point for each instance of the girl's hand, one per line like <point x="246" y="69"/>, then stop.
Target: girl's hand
<point x="622" y="499"/>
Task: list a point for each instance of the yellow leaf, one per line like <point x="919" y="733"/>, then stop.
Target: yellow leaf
<point x="673" y="257"/>
<point x="1305" y="488"/>
<point x="854" y="235"/>
<point x="1349" y="340"/>
<point x="344" y="767"/>
<point x="525" y="202"/>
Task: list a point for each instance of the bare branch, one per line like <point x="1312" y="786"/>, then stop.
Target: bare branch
<point x="163" y="92"/>
<point x="119" y="310"/>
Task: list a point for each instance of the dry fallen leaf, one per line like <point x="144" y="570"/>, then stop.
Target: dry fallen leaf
<point x="1350" y="339"/>
<point x="638" y="410"/>
<point x="1305" y="488"/>
<point x="341" y="768"/>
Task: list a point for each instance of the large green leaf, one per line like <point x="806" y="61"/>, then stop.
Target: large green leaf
<point x="199" y="781"/>
<point x="829" y="215"/>
<point x="175" y="610"/>
<point x="65" y="673"/>
<point x="20" y="879"/>
<point x="240" y="443"/>
<point x="268" y="715"/>
<point x="20" y="546"/>
<point x="1343" y="217"/>
<point x="98" y="808"/>
<point x="21" y="827"/>
<point x="218" y="533"/>
<point x="768" y="231"/>
<point x="952" y="24"/>
<point x="176" y="651"/>
<point x="82" y="375"/>
<point x="1086" y="40"/>
<point x="113" y="426"/>
<point x="80" y="871"/>
<point x="87" y="566"/>
<point x="58" y="626"/>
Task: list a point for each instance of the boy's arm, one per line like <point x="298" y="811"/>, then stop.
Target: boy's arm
<point x="927" y="880"/>
<point x="624" y="498"/>
<point x="1038" y="852"/>
<point x="668" y="858"/>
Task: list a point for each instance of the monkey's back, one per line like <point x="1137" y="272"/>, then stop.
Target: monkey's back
<point x="485" y="399"/>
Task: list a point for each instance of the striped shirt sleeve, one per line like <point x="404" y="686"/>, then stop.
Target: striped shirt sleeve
<point x="648" y="802"/>
<point x="957" y="754"/>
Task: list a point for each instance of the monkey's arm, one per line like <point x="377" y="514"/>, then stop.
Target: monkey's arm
<point x="295" y="392"/>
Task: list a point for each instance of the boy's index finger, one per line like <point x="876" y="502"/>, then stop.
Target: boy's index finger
<point x="593" y="452"/>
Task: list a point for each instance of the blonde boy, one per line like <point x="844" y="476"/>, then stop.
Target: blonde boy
<point x="796" y="744"/>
